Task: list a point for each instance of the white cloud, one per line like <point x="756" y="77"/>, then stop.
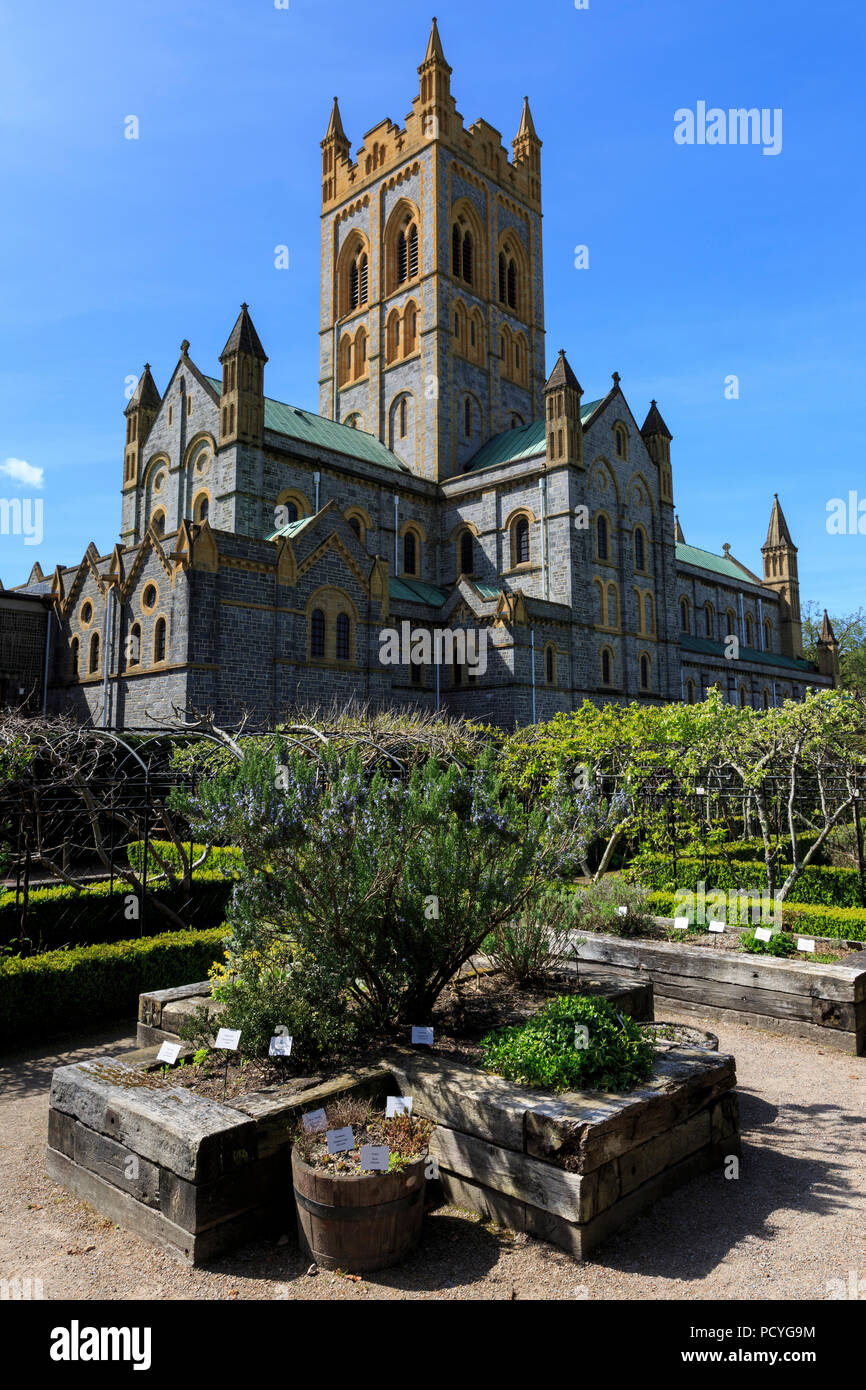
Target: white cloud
<point x="23" y="473"/>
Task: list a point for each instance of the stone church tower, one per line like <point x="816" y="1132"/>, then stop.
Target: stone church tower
<point x="780" y="574"/>
<point x="432" y="314"/>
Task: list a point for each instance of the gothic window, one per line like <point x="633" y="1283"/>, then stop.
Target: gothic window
<point x="317" y="633"/>
<point x="93" y="662"/>
<point x="410" y="553"/>
<point x="750" y="631"/>
<point x="467" y="257"/>
<point x="355" y="523"/>
<point x="512" y="285"/>
<point x="550" y="664"/>
<point x="768" y="635"/>
<point x="601" y="538"/>
<point x="73" y="657"/>
<point x="685" y="624"/>
<point x="644" y="673"/>
<point x="392" y="336"/>
<point x="620" y="441"/>
<point x="410" y="328"/>
<point x="403" y="418"/>
<point x="342" y="647"/>
<point x="708" y="620"/>
<point x="467" y="418"/>
<point x="344" y="365"/>
<point x="360" y="352"/>
<point x="467" y="547"/>
<point x="508" y="279"/>
<point x="413" y="251"/>
<point x="133" y="652"/>
<point x="158" y="522"/>
<point x="639" y="549"/>
<point x="200" y="508"/>
<point x="731" y="621"/>
<point x="606" y="667"/>
<point x="690" y="692"/>
<point x="503" y="278"/>
<point x="159" y="641"/>
<point x="521" y="541"/>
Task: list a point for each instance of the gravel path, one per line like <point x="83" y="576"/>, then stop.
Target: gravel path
<point x="793" y="1221"/>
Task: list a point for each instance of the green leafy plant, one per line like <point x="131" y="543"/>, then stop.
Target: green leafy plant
<point x="547" y="1050"/>
<point x="778" y="945"/>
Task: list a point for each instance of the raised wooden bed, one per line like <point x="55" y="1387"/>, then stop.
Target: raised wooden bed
<point x="500" y="1148"/>
<point x="825" y="1003"/>
<point x="197" y="1177"/>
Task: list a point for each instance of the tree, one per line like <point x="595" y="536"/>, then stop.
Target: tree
<point x="850" y="633"/>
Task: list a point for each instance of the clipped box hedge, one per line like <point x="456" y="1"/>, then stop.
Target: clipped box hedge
<point x="60" y="991"/>
<point x="227" y="857"/>
<point x="841" y="923"/>
<point x="817" y="884"/>
<point x="98" y="912"/>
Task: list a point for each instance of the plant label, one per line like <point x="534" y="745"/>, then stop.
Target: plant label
<point x="339" y="1140"/>
<point x="423" y="1035"/>
<point x="763" y="934"/>
<point x="805" y="944"/>
<point x="681" y="923"/>
<point x="169" y="1052"/>
<point x="715" y="926"/>
<point x="315" y="1120"/>
<point x="622" y="911"/>
<point x="397" y="1105"/>
<point x="375" y="1157"/>
<point x="228" y="1039"/>
<point x="281" y="1045"/>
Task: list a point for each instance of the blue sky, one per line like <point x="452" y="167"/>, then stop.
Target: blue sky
<point x="704" y="261"/>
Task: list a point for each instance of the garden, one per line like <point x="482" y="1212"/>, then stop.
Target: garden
<point x="409" y="959"/>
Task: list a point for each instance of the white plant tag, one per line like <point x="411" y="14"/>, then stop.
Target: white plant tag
<point x="169" y="1052"/>
<point x="281" y="1045"/>
<point x="763" y="934"/>
<point x="315" y="1120"/>
<point x="422" y="1035"/>
<point x="715" y="926"/>
<point x="681" y="923"/>
<point x="375" y="1157"/>
<point x="339" y="1140"/>
<point x="805" y="944"/>
<point x="622" y="911"/>
<point x="228" y="1039"/>
<point x="398" y="1105"/>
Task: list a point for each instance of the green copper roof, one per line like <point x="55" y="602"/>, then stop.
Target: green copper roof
<point x="525" y="442"/>
<point x="706" y="560"/>
<point x="324" y="434"/>
<point x="711" y="648"/>
<point x="291" y="528"/>
<point x="489" y="591"/>
<point x="416" y="591"/>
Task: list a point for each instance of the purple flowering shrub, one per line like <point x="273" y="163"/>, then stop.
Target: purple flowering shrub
<point x="389" y="885"/>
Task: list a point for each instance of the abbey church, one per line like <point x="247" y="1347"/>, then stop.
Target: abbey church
<point x="455" y="478"/>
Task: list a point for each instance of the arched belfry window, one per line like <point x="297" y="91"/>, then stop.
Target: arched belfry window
<point x="407" y="252"/>
<point x="463" y="250"/>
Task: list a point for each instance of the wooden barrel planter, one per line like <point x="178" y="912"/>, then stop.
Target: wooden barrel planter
<point x="361" y="1223"/>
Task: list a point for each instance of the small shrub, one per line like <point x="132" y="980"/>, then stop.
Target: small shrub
<point x="598" y="908"/>
<point x="543" y="1051"/>
<point x="533" y="944"/>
